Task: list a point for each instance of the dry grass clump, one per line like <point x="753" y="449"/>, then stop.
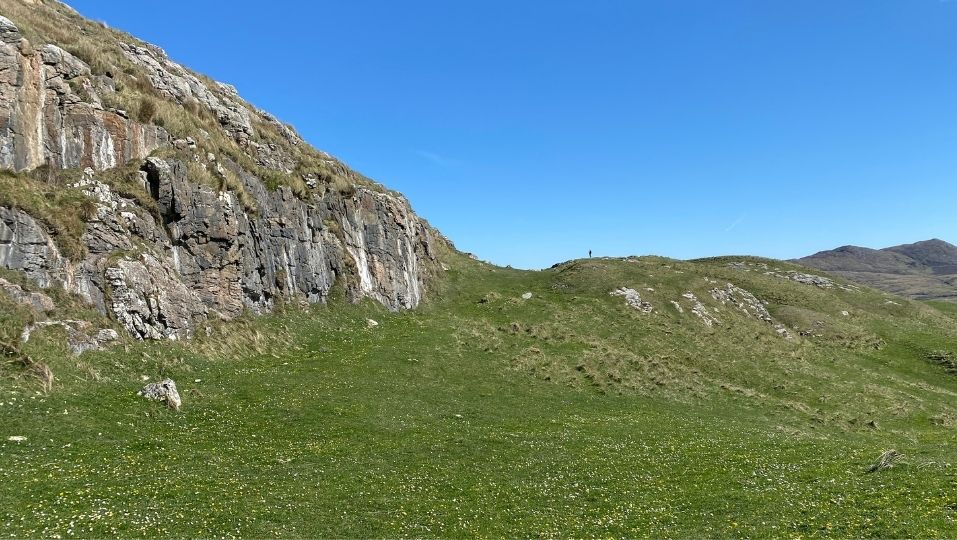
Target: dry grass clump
<point x="944" y="359"/>
<point x="146" y="111"/>
<point x="54" y="23"/>
<point x="887" y="460"/>
<point x="12" y="354"/>
<point x="241" y="338"/>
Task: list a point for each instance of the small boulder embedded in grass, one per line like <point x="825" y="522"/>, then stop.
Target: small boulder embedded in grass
<point x="371" y="323"/>
<point x="527" y="296"/>
<point x="886" y="461"/>
<point x="164" y="391"/>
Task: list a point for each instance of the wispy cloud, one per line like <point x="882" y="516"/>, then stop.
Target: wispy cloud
<point x="441" y="161"/>
<point x="734" y="224"/>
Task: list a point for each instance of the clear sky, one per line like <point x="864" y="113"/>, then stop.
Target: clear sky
<point x="532" y="131"/>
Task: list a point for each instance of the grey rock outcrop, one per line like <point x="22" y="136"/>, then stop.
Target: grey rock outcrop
<point x="176" y="82"/>
<point x="700" y="310"/>
<point x="810" y="279"/>
<point x="205" y="255"/>
<point x="26" y="246"/>
<point x="148" y="300"/>
<point x="633" y="299"/>
<point x="80" y="335"/>
<point x="749" y="304"/>
<point x="9" y="33"/>
<point x="35" y="300"/>
<point x="793" y="275"/>
<point x="51" y="112"/>
<point x="743" y="300"/>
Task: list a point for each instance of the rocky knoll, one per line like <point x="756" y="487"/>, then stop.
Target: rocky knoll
<point x="195" y="249"/>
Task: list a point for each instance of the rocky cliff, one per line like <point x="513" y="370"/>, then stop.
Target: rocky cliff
<point x="51" y="111"/>
<point x="220" y="210"/>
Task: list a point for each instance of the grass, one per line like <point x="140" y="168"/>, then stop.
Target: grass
<point x="436" y="423"/>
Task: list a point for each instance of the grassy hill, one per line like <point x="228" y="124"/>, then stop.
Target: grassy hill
<point x="567" y="413"/>
<point x="923" y="270"/>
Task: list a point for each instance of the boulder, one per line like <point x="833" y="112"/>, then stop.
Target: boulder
<point x="9" y="33"/>
<point x="164" y="391"/>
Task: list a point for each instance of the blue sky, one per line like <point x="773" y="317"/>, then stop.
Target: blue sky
<point x="531" y="132"/>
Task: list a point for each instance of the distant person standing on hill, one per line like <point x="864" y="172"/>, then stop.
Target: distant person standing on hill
<point x="589" y="254"/>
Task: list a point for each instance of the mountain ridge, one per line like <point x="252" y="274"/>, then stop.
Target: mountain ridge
<point x="924" y="270"/>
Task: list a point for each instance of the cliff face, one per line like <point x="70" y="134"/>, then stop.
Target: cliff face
<point x="195" y="249"/>
<point x="44" y="119"/>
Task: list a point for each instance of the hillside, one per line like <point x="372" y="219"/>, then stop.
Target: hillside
<point x="924" y="270"/>
<point x="491" y="412"/>
<point x="342" y="371"/>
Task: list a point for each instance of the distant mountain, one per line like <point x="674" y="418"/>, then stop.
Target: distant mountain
<point x="923" y="270"/>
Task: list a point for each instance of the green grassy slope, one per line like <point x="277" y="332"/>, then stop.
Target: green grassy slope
<point x="482" y="413"/>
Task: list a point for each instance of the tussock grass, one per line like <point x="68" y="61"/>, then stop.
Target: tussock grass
<point x="13" y="355"/>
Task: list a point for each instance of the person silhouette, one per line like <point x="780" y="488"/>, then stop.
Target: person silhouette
<point x="589" y="254"/>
